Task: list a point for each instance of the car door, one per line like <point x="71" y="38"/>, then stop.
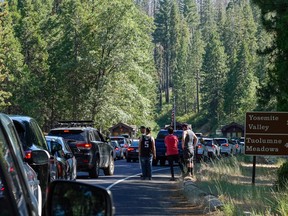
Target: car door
<point x="15" y="195"/>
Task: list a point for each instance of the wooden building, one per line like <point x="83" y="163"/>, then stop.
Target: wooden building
<point x="122" y="128"/>
<point x="233" y="130"/>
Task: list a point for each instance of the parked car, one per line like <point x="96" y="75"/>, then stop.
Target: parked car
<point x="133" y="151"/>
<point x="32" y="139"/>
<point x="16" y="196"/>
<point x="236" y="147"/>
<point x="118" y="149"/>
<point x="225" y="146"/>
<point x="211" y="150"/>
<point x="91" y="149"/>
<point x="64" y="156"/>
<point x="13" y="158"/>
<point x="124" y="142"/>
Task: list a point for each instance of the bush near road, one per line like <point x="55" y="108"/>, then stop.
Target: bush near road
<point x="231" y="180"/>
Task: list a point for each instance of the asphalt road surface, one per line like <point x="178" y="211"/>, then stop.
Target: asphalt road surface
<point x="133" y="196"/>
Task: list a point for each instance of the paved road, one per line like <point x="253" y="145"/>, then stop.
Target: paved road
<point x="133" y="196"/>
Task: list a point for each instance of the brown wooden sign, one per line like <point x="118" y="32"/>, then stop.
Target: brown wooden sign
<point x="266" y="133"/>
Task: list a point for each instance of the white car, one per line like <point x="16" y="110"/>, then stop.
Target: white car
<point x="225" y="147"/>
<point x="211" y="150"/>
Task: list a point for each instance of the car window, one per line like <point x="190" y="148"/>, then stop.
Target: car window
<point x="208" y="142"/>
<point x="97" y="137"/>
<point x="163" y="134"/>
<point x="120" y="140"/>
<point x="78" y="135"/>
<point x="221" y="141"/>
<point x="135" y="143"/>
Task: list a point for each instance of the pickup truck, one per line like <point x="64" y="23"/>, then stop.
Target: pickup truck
<point x="91" y="149"/>
<point x="161" y="148"/>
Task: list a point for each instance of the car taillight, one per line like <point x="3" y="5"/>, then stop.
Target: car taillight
<point x="213" y="146"/>
<point x="84" y="145"/>
<point x="2" y="189"/>
<point x="236" y="145"/>
<point x="28" y="154"/>
<point x="117" y="148"/>
<point x="199" y="146"/>
<point x="130" y="149"/>
<point x="226" y="145"/>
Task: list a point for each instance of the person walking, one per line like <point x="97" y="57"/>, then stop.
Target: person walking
<point x="147" y="153"/>
<point x="172" y="153"/>
<point x="189" y="142"/>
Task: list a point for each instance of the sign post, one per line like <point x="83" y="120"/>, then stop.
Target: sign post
<point x="266" y="133"/>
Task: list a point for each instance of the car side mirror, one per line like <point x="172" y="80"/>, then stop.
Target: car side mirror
<point x="77" y="198"/>
<point x="39" y="157"/>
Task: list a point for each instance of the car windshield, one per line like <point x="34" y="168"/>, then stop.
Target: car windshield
<point x="164" y="133"/>
<point x="78" y="135"/>
<point x="208" y="142"/>
<point x="135" y="143"/>
<point x="221" y="141"/>
<point x="120" y="140"/>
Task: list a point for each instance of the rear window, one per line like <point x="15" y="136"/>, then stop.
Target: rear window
<point x="163" y="134"/>
<point x="135" y="143"/>
<point x="208" y="142"/>
<point x="220" y="141"/>
<point x="77" y="135"/>
<point x="119" y="140"/>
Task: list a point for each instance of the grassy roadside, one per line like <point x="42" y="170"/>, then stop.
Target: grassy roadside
<point x="230" y="179"/>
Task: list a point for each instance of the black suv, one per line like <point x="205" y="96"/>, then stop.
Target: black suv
<point x="32" y="139"/>
<point x="91" y="149"/>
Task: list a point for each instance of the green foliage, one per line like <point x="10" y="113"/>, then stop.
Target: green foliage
<point x="282" y="176"/>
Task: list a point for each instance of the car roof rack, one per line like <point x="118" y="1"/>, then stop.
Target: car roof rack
<point x="71" y="123"/>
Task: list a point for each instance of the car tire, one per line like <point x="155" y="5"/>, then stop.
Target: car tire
<point x="94" y="172"/>
<point x="110" y="169"/>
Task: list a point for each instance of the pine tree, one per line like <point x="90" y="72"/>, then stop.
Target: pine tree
<point x="11" y="60"/>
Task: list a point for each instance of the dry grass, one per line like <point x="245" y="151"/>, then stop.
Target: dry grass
<point x="231" y="180"/>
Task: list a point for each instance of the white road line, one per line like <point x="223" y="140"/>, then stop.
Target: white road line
<point x="132" y="176"/>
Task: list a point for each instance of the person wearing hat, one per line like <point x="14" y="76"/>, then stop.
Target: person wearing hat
<point x="147" y="152"/>
<point x="189" y="141"/>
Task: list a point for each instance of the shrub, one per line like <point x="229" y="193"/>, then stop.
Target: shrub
<point x="282" y="176"/>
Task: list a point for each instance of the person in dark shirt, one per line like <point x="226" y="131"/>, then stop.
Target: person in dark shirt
<point x="147" y="152"/>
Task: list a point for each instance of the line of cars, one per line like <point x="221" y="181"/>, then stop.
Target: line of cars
<point x="206" y="149"/>
<point x="211" y="148"/>
<point x="25" y="181"/>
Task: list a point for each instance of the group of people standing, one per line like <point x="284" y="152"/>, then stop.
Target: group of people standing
<point x="147" y="151"/>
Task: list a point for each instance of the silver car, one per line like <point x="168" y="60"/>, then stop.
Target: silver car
<point x="225" y="147"/>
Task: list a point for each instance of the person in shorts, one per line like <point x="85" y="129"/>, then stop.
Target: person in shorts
<point x="189" y="141"/>
<point x="147" y="152"/>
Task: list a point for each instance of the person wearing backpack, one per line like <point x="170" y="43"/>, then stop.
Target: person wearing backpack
<point x="147" y="152"/>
